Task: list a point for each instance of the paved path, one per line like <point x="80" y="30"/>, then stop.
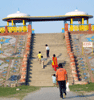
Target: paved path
<point x="52" y="93"/>
<point x="9" y="99"/>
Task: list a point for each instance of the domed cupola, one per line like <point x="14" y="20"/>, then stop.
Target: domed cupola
<point x="18" y="14"/>
<point x="76" y="12"/>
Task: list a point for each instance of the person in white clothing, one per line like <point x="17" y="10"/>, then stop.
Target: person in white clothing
<point x="54" y="79"/>
<point x="47" y="50"/>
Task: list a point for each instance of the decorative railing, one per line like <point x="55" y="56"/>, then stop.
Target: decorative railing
<point x="2" y="29"/>
<point x="78" y="27"/>
<point x="14" y="29"/>
<point x="92" y="27"/>
<point x="17" y="28"/>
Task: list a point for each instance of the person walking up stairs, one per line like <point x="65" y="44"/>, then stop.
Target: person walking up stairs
<point x="56" y="42"/>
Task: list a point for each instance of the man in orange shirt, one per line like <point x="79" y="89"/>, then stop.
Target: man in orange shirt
<point x="61" y="77"/>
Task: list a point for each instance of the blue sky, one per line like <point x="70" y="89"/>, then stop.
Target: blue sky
<point x="45" y="8"/>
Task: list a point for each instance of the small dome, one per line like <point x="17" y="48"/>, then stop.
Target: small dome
<point x="76" y="12"/>
<point x="18" y="14"/>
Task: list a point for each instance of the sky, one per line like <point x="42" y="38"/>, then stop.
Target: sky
<point x="45" y="8"/>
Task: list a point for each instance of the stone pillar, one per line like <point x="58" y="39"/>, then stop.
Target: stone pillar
<point x="65" y="23"/>
<point x="66" y="26"/>
<point x="29" y="28"/>
<point x="89" y="31"/>
<point x="6" y="30"/>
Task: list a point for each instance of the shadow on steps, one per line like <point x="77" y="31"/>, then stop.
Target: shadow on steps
<point x="29" y="59"/>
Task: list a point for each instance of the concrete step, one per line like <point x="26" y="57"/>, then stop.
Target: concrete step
<point x="42" y="77"/>
<point x="41" y="83"/>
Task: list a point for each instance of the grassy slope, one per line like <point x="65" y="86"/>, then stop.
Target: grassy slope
<point x="86" y="88"/>
<point x="12" y="92"/>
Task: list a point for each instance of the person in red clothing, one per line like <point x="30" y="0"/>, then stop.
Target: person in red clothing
<point x="61" y="77"/>
<point x="54" y="62"/>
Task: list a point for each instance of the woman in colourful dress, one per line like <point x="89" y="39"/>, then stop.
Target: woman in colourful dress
<point x="54" y="62"/>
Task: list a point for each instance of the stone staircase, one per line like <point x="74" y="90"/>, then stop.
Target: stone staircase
<point x="57" y="45"/>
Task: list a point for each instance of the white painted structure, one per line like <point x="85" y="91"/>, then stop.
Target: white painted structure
<point x="18" y="14"/>
<point x="76" y="12"/>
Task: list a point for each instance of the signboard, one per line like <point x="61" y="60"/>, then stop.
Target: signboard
<point x="87" y="44"/>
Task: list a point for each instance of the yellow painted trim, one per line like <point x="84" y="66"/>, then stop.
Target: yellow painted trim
<point x="23" y="22"/>
<point x="82" y="20"/>
<point x="71" y="20"/>
<point x="7" y="23"/>
<point x="71" y="26"/>
<point x="12" y="22"/>
<point x="87" y="21"/>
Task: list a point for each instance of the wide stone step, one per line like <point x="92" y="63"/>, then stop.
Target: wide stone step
<point x="44" y="83"/>
<point x="42" y="77"/>
<point x="41" y="83"/>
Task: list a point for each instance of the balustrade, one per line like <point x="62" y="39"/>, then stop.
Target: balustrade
<point x="76" y="27"/>
<point x="92" y="27"/>
<point x="18" y="29"/>
<point x="2" y="29"/>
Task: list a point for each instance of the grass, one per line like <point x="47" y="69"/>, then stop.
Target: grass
<point x="12" y="92"/>
<point x="24" y="90"/>
<point x="79" y="88"/>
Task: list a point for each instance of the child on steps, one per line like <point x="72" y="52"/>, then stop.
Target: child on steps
<point x="54" y="80"/>
<point x="43" y="60"/>
<point x="39" y="57"/>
